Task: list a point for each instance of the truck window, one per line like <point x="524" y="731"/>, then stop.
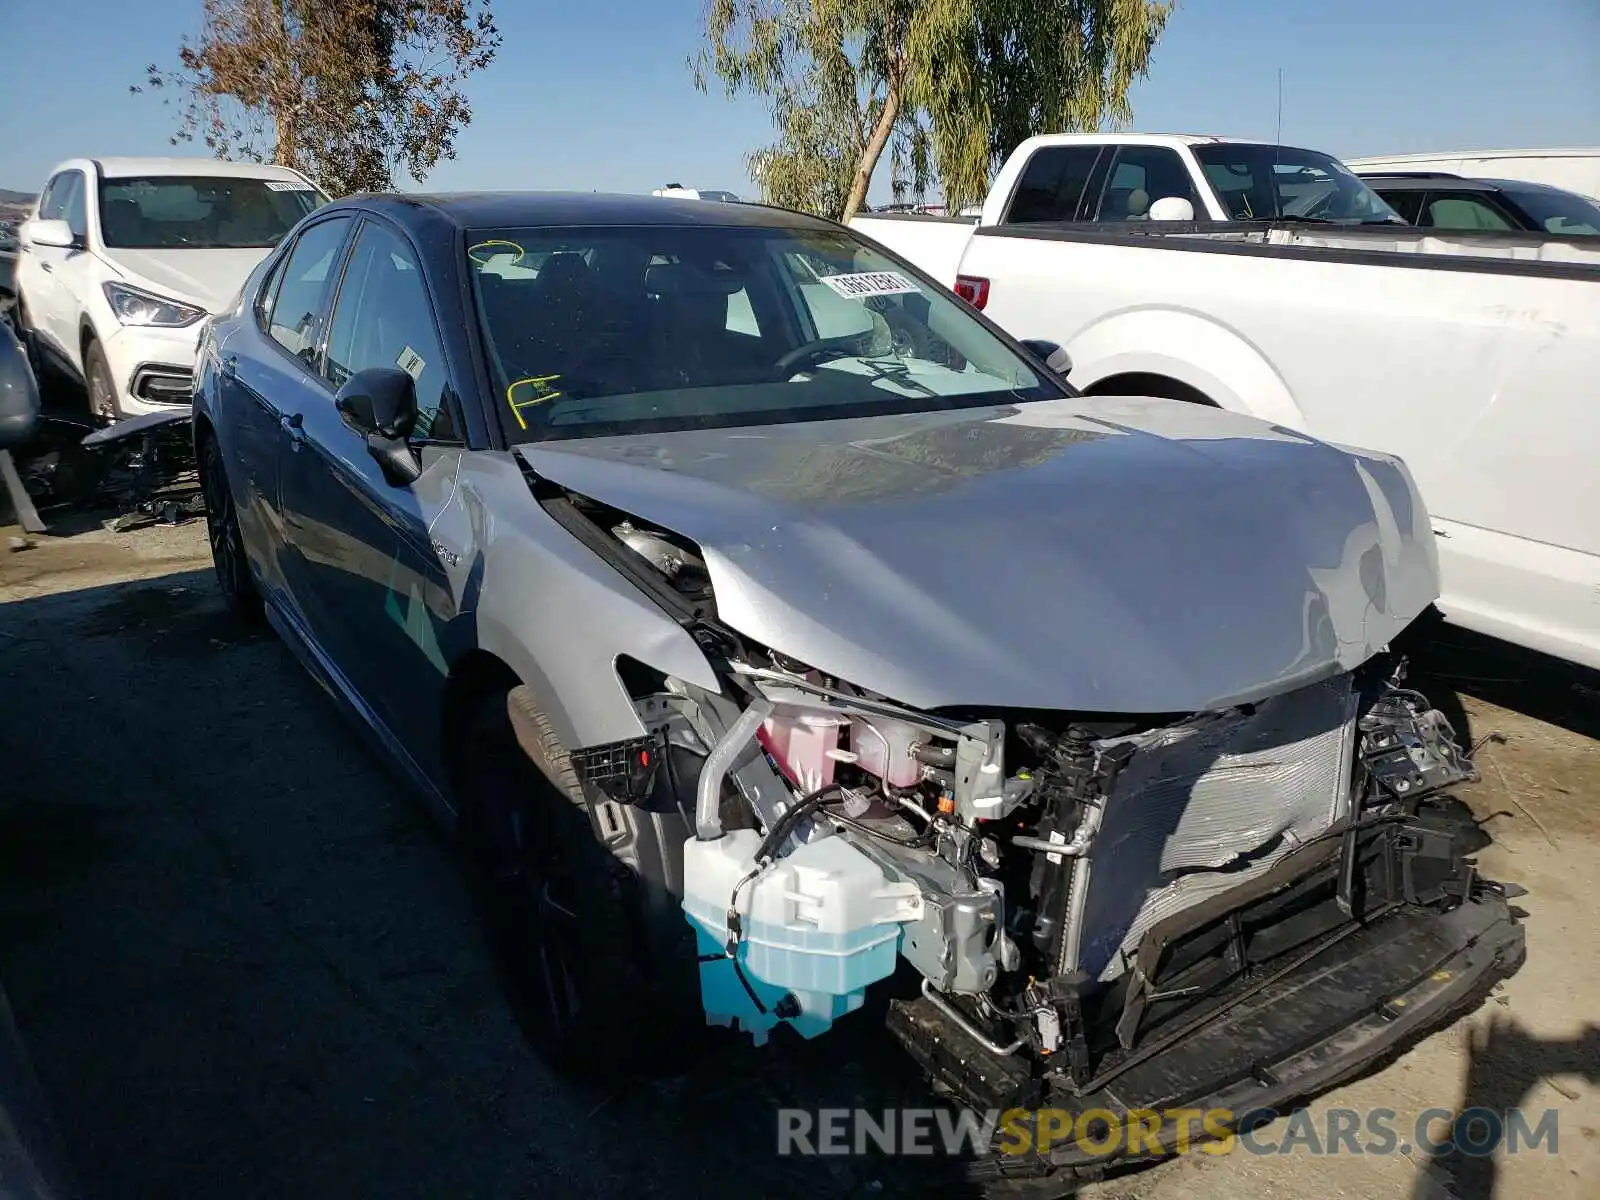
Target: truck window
<point x="1140" y="176"/>
<point x="1052" y="185"/>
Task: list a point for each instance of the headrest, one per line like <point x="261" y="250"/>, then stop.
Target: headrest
<point x="563" y="267"/>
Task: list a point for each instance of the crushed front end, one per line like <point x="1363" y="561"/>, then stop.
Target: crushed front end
<point x="1222" y="910"/>
<point x="1232" y="908"/>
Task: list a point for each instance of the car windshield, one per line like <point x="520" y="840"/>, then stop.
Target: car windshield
<point x="172" y="212"/>
<point x="1263" y="182"/>
<point x="1558" y="212"/>
<point x="596" y="331"/>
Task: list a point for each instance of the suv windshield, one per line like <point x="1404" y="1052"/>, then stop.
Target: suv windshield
<point x="1557" y="212"/>
<point x="609" y="330"/>
<point x="173" y="212"/>
<point x="1262" y="183"/>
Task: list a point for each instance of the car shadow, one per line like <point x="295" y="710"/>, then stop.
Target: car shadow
<point x="1447" y="662"/>
<point x="245" y="960"/>
<point x="1505" y="1061"/>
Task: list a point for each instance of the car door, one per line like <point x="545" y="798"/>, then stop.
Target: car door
<point x="361" y="559"/>
<point x="37" y="265"/>
<point x="267" y="367"/>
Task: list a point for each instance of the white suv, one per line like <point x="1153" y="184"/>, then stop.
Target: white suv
<point x="124" y="258"/>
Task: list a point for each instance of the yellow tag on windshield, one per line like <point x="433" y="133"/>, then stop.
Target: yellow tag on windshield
<point x="525" y="393"/>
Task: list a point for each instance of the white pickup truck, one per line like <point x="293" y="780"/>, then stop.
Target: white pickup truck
<point x="1271" y="281"/>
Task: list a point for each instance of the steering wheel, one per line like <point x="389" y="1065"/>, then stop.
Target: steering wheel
<point x="834" y="347"/>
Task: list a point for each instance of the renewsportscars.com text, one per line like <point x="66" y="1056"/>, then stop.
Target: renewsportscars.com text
<point x="1142" y="1132"/>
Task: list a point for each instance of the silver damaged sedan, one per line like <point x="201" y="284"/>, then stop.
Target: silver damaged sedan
<point x="783" y="640"/>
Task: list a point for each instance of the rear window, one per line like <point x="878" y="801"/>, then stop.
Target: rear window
<point x="1258" y="182"/>
<point x="1565" y="214"/>
<point x="173" y="212"/>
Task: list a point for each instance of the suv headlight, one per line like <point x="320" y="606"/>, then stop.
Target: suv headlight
<point x="135" y="307"/>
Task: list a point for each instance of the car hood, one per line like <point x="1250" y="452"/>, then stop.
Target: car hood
<point x="209" y="278"/>
<point x="1110" y="555"/>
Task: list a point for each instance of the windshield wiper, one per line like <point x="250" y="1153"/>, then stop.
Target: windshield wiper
<point x="899" y="373"/>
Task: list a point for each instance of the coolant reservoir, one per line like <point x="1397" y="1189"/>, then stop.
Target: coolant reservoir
<point x="800" y="744"/>
<point x="884" y="748"/>
<point x="819" y="926"/>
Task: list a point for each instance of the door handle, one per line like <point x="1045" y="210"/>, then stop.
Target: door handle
<point x="45" y="267"/>
<point x="230" y="367"/>
<point x="294" y="425"/>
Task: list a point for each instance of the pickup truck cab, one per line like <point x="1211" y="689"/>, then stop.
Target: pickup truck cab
<point x="1296" y="295"/>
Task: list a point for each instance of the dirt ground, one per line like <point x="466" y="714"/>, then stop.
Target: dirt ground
<point x="245" y="963"/>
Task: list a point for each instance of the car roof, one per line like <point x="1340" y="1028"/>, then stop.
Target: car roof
<point x="1468" y="155"/>
<point x="1421" y="181"/>
<point x="1528" y="185"/>
<point x="1142" y="139"/>
<point x="123" y="168"/>
<point x="511" y="210"/>
<point x="1418" y="181"/>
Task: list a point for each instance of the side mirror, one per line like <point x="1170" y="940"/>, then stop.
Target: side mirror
<point x="1051" y="355"/>
<point x="55" y="234"/>
<point x="380" y="404"/>
<point x="1171" y="208"/>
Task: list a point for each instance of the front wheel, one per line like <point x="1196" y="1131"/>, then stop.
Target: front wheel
<point x="558" y="908"/>
<point x="103" y="402"/>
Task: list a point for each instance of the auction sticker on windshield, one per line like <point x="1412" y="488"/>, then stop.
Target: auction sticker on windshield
<point x="871" y="283"/>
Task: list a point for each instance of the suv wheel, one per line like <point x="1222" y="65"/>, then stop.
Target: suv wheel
<point x="103" y="402"/>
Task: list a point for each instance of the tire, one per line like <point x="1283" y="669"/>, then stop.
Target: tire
<point x="102" y="390"/>
<point x="560" y="912"/>
<point x="222" y="531"/>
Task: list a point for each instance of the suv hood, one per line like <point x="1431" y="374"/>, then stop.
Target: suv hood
<point x="1110" y="555"/>
<point x="209" y="278"/>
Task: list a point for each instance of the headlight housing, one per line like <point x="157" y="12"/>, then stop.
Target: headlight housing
<point x="133" y="306"/>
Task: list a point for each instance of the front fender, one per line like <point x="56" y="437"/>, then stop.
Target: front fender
<point x="551" y="610"/>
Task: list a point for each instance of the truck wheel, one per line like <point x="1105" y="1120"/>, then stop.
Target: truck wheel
<point x="103" y="402"/>
<point x="1141" y="384"/>
<point x="557" y="907"/>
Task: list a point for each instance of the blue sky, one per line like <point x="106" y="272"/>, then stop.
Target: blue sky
<point x="598" y="95"/>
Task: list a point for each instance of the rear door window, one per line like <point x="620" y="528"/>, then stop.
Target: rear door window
<point x="1463" y="210"/>
<point x="297" y="307"/>
<point x="1052" y="184"/>
<point x="1140" y="176"/>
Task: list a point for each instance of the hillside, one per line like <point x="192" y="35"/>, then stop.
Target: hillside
<point x="13" y="198"/>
